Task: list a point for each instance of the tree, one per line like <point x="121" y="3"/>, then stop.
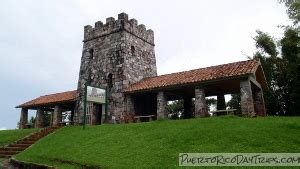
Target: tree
<point x="211" y="102"/>
<point x="32" y="120"/>
<point x="235" y="102"/>
<point x="176" y="106"/>
<point x="291" y="59"/>
<point x="293" y="11"/>
<point x="281" y="64"/>
<point x="47" y="118"/>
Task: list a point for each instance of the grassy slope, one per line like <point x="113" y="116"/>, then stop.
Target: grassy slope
<point x="157" y="144"/>
<point x="9" y="136"/>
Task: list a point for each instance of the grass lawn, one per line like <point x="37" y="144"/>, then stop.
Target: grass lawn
<point x="157" y="144"/>
<point x="1" y="161"/>
<point x="10" y="136"/>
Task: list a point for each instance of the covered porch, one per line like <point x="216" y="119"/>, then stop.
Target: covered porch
<point x="52" y="106"/>
<point x="150" y="97"/>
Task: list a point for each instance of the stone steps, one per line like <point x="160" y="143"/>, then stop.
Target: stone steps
<point x="21" y="145"/>
<point x="26" y="142"/>
<point x="5" y="156"/>
<point x="4" y="152"/>
<point x="13" y="148"/>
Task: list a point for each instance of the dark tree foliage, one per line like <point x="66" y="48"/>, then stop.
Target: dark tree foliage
<point x="47" y="119"/>
<point x="281" y="71"/>
<point x="293" y="7"/>
<point x="177" y="106"/>
<point x="211" y="102"/>
<point x="235" y="102"/>
<point x="291" y="60"/>
<point x="32" y="120"/>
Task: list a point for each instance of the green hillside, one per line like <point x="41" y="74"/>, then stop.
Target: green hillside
<point x="9" y="136"/>
<point x="157" y="144"/>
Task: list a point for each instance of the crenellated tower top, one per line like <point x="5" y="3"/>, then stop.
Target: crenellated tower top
<point x="121" y="24"/>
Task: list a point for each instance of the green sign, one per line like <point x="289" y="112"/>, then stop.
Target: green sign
<point x="96" y="95"/>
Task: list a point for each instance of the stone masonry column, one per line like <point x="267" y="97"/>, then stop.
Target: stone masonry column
<point x="201" y="109"/>
<point x="39" y="118"/>
<point x="130" y="111"/>
<point x="161" y="105"/>
<point x="221" y="102"/>
<point x="247" y="105"/>
<point x="57" y="115"/>
<point x="23" y="118"/>
<point x="130" y="105"/>
<point x="260" y="108"/>
<point x="187" y="108"/>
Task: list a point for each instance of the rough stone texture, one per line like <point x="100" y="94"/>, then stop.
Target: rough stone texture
<point x="247" y="106"/>
<point x="187" y="108"/>
<point x="39" y="121"/>
<point x="120" y="49"/>
<point x="57" y="116"/>
<point x="23" y="118"/>
<point x="221" y="102"/>
<point x="201" y="109"/>
<point x="161" y="105"/>
<point x="130" y="110"/>
<point x="260" y="109"/>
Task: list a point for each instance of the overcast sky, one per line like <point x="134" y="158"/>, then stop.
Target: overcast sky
<point x="41" y="40"/>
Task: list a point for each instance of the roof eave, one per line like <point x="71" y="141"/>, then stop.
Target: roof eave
<point x="45" y="104"/>
<point x="187" y="84"/>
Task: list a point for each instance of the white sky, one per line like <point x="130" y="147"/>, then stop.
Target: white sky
<point x="41" y="41"/>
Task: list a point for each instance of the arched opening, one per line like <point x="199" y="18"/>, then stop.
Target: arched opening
<point x="109" y="81"/>
<point x="132" y="50"/>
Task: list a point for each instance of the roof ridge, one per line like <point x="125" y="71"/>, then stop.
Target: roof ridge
<point x="196" y="75"/>
<point x="57" y="93"/>
<point x="197" y="69"/>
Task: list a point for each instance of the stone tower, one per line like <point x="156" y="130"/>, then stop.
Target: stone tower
<point x="115" y="55"/>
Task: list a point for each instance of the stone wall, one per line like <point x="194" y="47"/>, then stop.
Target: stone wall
<point x="115" y="55"/>
<point x="39" y="118"/>
<point x="247" y="106"/>
<point x="23" y="118"/>
<point x="57" y="116"/>
<point x="161" y="105"/>
<point x="201" y="109"/>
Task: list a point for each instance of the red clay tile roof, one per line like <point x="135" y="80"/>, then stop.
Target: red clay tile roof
<point x="196" y="75"/>
<point x="51" y="99"/>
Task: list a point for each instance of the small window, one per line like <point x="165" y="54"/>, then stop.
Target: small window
<point x="132" y="50"/>
<point x="92" y="53"/>
<point x="109" y="81"/>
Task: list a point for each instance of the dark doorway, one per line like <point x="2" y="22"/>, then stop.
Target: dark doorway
<point x="97" y="111"/>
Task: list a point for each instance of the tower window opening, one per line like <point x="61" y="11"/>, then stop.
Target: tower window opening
<point x="109" y="81"/>
<point x="92" y="53"/>
<point x="132" y="50"/>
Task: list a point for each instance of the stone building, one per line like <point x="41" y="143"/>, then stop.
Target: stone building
<point x="115" y="55"/>
<point x="119" y="56"/>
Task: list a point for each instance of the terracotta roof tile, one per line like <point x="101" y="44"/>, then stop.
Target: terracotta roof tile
<point x="51" y="99"/>
<point x="196" y="75"/>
